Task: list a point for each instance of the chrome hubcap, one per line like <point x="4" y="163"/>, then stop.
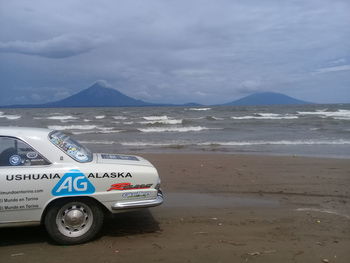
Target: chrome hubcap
<point x="74" y="219"/>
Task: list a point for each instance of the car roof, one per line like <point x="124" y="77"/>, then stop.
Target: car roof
<point x="24" y="132"/>
<point x="38" y="139"/>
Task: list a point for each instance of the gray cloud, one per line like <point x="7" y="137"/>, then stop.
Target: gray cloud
<point x="333" y="69"/>
<point x="58" y="47"/>
<point x="176" y="51"/>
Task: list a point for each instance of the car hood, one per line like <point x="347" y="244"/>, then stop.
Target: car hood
<point x="122" y="159"/>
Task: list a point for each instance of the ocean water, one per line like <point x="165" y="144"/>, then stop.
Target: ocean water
<point x="315" y="130"/>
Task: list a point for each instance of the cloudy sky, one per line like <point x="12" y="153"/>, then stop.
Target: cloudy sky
<point x="179" y="51"/>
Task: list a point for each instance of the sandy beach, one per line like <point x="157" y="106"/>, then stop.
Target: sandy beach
<point x="218" y="208"/>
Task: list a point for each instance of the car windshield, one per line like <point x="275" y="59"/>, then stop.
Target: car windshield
<point x="71" y="147"/>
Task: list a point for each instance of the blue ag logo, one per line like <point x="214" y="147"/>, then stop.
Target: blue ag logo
<point x="15" y="160"/>
<point x="73" y="183"/>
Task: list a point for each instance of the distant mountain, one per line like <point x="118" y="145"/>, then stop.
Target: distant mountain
<point x="98" y="95"/>
<point x="266" y="98"/>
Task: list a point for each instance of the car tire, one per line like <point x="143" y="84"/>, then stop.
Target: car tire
<point x="71" y="222"/>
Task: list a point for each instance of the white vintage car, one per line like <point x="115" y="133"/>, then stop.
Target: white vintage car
<point x="48" y="178"/>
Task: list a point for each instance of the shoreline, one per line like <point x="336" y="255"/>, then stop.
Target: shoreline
<point x="234" y="168"/>
<point x="256" y="154"/>
<point x="114" y="148"/>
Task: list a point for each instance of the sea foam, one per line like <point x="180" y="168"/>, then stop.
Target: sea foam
<point x="156" y="118"/>
<point x="337" y="115"/>
<point x="199" y="109"/>
<point x="119" y="118"/>
<point x="265" y="116"/>
<point x="72" y="127"/>
<point x="10" y="117"/>
<point x="167" y="121"/>
<point x="62" y="118"/>
<point x="174" y="129"/>
<point x="280" y="142"/>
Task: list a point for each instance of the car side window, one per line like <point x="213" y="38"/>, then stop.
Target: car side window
<point x="14" y="152"/>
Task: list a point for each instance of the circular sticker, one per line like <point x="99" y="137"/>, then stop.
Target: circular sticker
<point x="81" y="156"/>
<point x="15" y="160"/>
<point x="32" y="155"/>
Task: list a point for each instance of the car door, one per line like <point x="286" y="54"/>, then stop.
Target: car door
<point x="24" y="174"/>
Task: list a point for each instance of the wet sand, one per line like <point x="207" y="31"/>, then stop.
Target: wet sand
<point x="219" y="208"/>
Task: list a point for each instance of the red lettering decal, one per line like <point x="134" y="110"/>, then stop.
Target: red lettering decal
<point x="120" y="186"/>
<point x="128" y="186"/>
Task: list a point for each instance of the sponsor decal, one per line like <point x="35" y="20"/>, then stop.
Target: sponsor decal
<point x="36" y="160"/>
<point x="73" y="183"/>
<point x="15" y="160"/>
<point x="18" y="207"/>
<point x="32" y="155"/>
<point x="19" y="177"/>
<point x="12" y="192"/>
<point x="109" y="175"/>
<point x="20" y="200"/>
<point x="136" y="194"/>
<point x="119" y="157"/>
<point x="128" y="186"/>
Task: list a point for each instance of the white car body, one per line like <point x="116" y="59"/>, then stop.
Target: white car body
<point x="27" y="191"/>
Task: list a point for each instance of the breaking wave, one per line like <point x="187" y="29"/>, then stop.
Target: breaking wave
<point x="175" y="129"/>
<point x="72" y="127"/>
<point x="167" y="121"/>
<point x="119" y="118"/>
<point x="96" y="132"/>
<point x="10" y="117"/>
<point x="230" y="143"/>
<point x="160" y="120"/>
<point x="143" y="144"/>
<point x="156" y="118"/>
<point x="199" y="109"/>
<point x="99" y="142"/>
<point x="84" y="129"/>
<point x="134" y="144"/>
<point x="337" y="115"/>
<point x="62" y="118"/>
<point x="265" y="116"/>
<point x="281" y="142"/>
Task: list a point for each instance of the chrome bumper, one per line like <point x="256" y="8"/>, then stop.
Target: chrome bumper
<point x="139" y="204"/>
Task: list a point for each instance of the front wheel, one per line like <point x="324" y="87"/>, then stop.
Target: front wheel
<point x="74" y="221"/>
